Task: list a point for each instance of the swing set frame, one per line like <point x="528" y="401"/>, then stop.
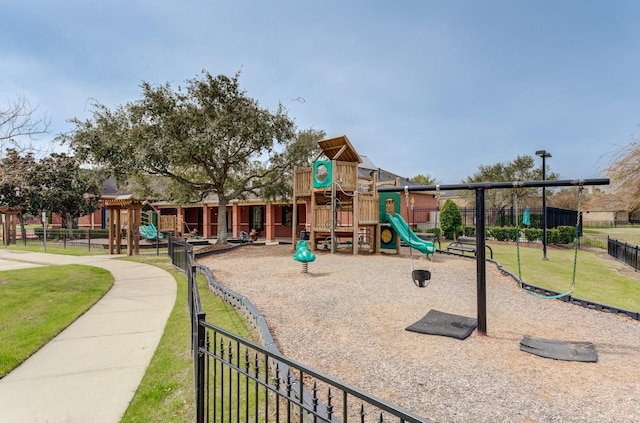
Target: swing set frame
<point x="480" y="188"/>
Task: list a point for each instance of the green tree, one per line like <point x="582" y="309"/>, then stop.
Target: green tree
<point x="60" y="185"/>
<point x="297" y="154"/>
<point x="16" y="189"/>
<point x="450" y="219"/>
<point x="522" y="168"/>
<point x="424" y="179"/>
<point x="55" y="183"/>
<point x="209" y="138"/>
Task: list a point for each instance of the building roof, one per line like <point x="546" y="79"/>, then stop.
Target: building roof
<point x="366" y="163"/>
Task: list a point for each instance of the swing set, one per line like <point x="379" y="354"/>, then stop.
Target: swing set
<point x="526" y="221"/>
<point x="480" y="188"/>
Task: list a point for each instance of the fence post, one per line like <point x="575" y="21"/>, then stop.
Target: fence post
<point x="193" y="311"/>
<point x="624" y="255"/>
<point x="199" y="368"/>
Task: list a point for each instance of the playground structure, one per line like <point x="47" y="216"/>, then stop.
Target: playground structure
<point x="345" y="209"/>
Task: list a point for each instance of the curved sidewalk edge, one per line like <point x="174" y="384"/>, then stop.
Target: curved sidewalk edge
<point x="90" y="371"/>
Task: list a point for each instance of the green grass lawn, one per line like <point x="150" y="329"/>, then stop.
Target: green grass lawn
<point x="628" y="234"/>
<point x="38" y="303"/>
<point x="598" y="279"/>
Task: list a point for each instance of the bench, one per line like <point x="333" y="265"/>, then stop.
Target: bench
<point x="466" y="244"/>
<point x="430" y="237"/>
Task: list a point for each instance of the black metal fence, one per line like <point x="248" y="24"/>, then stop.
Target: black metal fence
<point x="504" y="217"/>
<point x="236" y="379"/>
<point x="64" y="237"/>
<point x="624" y="252"/>
<point x="594" y="243"/>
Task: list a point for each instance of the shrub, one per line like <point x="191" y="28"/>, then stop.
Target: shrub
<point x="567" y="234"/>
<point x="502" y="234"/>
<point x="450" y="219"/>
<point x="61" y="233"/>
<point x="436" y="231"/>
<point x="469" y="230"/>
<point x="532" y="234"/>
<point x="553" y="236"/>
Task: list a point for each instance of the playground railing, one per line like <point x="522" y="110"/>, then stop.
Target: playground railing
<point x="368" y="208"/>
<point x="302" y="181"/>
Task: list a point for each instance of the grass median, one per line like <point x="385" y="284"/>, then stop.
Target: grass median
<point x="40" y="302"/>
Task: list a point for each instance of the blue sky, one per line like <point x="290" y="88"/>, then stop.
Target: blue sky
<point x="419" y="86"/>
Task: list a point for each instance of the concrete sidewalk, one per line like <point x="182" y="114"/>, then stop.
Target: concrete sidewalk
<point x="90" y="371"/>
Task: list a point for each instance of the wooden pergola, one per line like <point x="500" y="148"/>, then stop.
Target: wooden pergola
<point x="131" y="208"/>
<point x="9" y="222"/>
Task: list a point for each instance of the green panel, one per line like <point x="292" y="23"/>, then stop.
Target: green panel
<point x="387" y="237"/>
<point x="383" y="203"/>
<point x="322" y="174"/>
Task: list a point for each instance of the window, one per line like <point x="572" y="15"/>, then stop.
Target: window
<point x="287" y="215"/>
<point x="256" y="218"/>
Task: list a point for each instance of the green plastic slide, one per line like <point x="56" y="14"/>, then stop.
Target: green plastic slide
<point x="150" y="232"/>
<point x="406" y="234"/>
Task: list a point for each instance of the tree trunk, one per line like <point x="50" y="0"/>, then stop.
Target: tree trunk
<point x="222" y="220"/>
<point x="67" y="221"/>
<point x="23" y="230"/>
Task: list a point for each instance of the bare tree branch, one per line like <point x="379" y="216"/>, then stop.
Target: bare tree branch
<point x="21" y="121"/>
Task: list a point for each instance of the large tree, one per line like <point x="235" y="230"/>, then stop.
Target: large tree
<point x="60" y="185"/>
<point x="208" y="138"/>
<point x="522" y="168"/>
<point x="624" y="171"/>
<point x="55" y="183"/>
<point x="16" y="190"/>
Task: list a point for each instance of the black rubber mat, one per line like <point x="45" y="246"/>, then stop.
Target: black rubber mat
<point x="444" y="324"/>
<point x="559" y="350"/>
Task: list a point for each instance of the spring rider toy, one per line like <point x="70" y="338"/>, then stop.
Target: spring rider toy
<point x="304" y="255"/>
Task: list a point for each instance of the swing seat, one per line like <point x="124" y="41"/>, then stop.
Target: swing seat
<point x="420" y="277"/>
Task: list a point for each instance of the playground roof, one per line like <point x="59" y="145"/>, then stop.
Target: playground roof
<point x="123" y="201"/>
<point x="339" y="148"/>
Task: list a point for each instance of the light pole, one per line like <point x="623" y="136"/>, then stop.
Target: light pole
<point x="544" y="154"/>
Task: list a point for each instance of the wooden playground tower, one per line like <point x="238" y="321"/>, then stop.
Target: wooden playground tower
<point x="340" y="206"/>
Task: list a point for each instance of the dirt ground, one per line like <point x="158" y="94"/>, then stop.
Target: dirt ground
<point x="347" y="318"/>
